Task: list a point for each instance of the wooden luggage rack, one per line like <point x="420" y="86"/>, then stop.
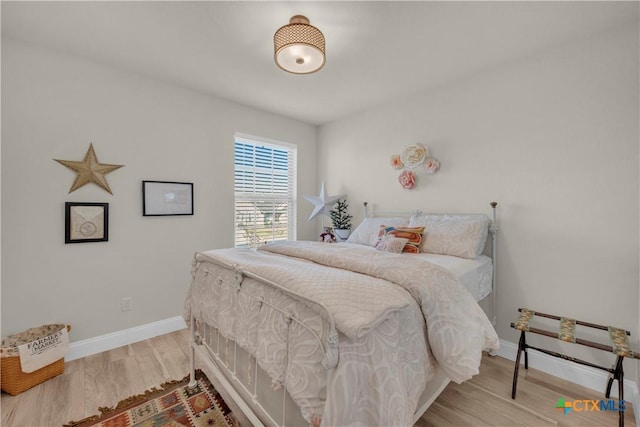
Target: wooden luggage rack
<point x="619" y="340"/>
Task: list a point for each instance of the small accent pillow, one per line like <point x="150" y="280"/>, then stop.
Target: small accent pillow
<point x="367" y="232"/>
<point x="413" y="236"/>
<point x="463" y="236"/>
<point x="391" y="244"/>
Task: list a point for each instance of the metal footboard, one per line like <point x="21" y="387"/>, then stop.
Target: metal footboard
<point x="223" y="352"/>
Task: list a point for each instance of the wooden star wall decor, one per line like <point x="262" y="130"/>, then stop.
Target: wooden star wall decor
<point x="89" y="170"/>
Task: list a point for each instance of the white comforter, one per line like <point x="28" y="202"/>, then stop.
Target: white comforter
<point x="379" y="302"/>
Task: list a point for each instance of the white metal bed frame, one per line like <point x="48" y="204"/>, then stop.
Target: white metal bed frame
<point x="211" y="352"/>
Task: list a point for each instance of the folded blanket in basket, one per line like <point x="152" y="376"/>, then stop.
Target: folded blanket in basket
<point x="43" y="351"/>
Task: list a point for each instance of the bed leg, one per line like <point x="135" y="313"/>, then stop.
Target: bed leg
<point x="192" y="353"/>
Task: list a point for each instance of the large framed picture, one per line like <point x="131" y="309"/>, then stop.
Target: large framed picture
<point x="86" y="222"/>
<point x="161" y="198"/>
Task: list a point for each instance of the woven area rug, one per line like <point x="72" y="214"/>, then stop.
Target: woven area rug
<point x="173" y="404"/>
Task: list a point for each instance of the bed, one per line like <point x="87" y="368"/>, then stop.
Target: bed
<point x="364" y="332"/>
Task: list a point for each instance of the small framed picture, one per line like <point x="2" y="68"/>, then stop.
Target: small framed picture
<point x="162" y="198"/>
<point x="86" y="222"/>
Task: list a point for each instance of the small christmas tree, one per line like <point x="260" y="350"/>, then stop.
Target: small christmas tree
<point x="340" y="215"/>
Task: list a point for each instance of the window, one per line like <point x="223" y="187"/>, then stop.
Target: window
<point x="265" y="191"/>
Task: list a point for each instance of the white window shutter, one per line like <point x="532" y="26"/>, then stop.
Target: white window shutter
<point x="265" y="191"/>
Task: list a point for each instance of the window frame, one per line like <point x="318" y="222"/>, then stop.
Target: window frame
<point x="290" y="198"/>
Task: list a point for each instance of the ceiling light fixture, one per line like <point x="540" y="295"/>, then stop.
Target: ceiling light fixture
<point x="299" y="46"/>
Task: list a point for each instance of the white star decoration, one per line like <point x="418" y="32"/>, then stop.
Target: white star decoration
<point x="322" y="204"/>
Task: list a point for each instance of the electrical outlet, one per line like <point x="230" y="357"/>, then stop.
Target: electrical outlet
<point x="126" y="304"/>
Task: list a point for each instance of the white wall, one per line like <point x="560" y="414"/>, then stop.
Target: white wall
<point x="54" y="106"/>
<point x="552" y="138"/>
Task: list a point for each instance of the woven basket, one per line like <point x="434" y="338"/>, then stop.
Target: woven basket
<point x="12" y="379"/>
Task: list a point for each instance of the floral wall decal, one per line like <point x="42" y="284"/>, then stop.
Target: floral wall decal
<point x="432" y="165"/>
<point x="396" y="161"/>
<point x="413" y="157"/>
<point x="407" y="179"/>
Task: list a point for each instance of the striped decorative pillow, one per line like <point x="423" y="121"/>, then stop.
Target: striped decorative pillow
<point x="414" y="234"/>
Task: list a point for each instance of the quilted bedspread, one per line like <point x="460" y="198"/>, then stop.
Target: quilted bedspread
<point x="379" y="302"/>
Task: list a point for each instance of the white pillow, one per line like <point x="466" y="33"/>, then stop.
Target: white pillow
<point x="367" y="232"/>
<point x="463" y="236"/>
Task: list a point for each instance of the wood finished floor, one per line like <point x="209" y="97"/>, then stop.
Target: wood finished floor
<point x="106" y="378"/>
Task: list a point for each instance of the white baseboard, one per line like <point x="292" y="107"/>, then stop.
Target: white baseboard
<point x="582" y="375"/>
<point x="113" y="340"/>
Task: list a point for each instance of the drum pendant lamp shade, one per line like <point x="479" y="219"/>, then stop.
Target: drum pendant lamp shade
<point x="299" y="47"/>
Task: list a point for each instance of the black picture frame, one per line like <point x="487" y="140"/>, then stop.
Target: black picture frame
<point x="167" y="198"/>
<point x="86" y="222"/>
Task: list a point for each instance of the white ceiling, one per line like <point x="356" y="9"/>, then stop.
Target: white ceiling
<point x="376" y="51"/>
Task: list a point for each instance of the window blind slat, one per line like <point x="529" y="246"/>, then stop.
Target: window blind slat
<point x="265" y="190"/>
